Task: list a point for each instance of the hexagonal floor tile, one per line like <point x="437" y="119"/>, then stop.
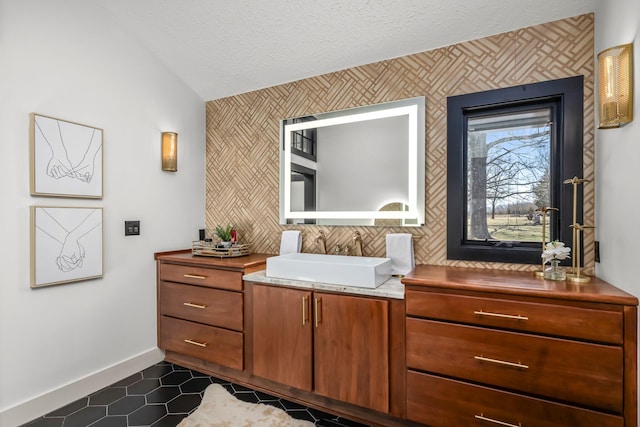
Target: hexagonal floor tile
<point x="126" y="405"/>
<point x="147" y="415"/>
<point x="143" y="386"/>
<point x="161" y="396"/>
<point x="107" y="396"/>
<point x="184" y="404"/>
<point x="176" y="378"/>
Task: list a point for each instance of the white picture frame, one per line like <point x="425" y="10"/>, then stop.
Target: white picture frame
<point x="66" y="244"/>
<point x="66" y="158"/>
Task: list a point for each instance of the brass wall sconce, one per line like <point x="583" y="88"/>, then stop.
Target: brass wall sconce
<point x="169" y="151"/>
<point x="615" y="86"/>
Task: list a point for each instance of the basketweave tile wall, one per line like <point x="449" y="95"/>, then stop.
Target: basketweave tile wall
<point x="242" y="163"/>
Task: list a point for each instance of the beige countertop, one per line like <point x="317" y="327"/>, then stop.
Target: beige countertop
<point x="392" y="288"/>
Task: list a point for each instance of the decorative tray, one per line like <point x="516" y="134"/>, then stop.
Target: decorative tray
<point x="202" y="248"/>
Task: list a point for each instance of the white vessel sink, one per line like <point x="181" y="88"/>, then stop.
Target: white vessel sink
<point x="357" y="271"/>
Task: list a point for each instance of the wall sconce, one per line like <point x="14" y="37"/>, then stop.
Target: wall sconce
<point x="169" y="151"/>
<point x="615" y="86"/>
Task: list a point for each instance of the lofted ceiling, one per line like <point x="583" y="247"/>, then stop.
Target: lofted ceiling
<point x="221" y="48"/>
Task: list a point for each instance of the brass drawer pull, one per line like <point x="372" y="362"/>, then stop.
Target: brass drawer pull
<point x="501" y="362"/>
<point x="318" y="317"/>
<point x="500" y="423"/>
<point x="190" y="304"/>
<point x="502" y="316"/>
<point x="305" y="303"/>
<point x="199" y="344"/>
<point x="194" y="276"/>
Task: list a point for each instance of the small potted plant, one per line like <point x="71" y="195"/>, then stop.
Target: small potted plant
<point x="225" y="234"/>
<point x="554" y="252"/>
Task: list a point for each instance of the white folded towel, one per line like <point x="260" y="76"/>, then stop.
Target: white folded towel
<point x="400" y="250"/>
<point x="290" y="242"/>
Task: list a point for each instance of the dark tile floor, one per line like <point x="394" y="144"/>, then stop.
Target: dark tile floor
<point x="161" y="396"/>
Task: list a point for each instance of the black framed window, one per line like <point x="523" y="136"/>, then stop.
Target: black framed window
<point x="508" y="152"/>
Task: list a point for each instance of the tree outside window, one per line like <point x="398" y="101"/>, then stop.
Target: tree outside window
<point x="508" y="175"/>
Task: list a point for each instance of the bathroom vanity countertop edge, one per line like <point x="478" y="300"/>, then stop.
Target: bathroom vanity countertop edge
<point x="516" y="283"/>
<point x="184" y="256"/>
<point x="392" y="288"/>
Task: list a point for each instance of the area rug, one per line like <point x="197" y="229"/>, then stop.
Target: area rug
<point x="219" y="408"/>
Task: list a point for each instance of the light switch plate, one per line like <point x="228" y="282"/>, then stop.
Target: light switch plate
<point x="132" y="228"/>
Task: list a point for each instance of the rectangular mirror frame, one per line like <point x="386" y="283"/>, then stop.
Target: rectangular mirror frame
<point x="414" y="110"/>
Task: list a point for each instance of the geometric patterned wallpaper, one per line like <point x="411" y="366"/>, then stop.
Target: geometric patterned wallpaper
<point x="242" y="151"/>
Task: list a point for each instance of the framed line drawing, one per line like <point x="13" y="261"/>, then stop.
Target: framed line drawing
<point x="66" y="158"/>
<point x="66" y="245"/>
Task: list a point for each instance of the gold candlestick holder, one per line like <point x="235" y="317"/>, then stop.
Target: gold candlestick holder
<point x="574" y="275"/>
<point x="543" y="210"/>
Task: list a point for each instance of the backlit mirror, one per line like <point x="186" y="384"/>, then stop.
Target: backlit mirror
<point x="362" y="166"/>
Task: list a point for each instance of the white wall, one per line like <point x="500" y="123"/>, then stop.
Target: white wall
<point x="617" y="177"/>
<point x="68" y="60"/>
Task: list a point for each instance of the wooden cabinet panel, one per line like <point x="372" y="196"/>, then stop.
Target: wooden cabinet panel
<point x="209" y="343"/>
<point x="583" y="373"/>
<point x="335" y="345"/>
<point x="205" y="305"/>
<point x="201" y="307"/>
<point x="351" y="348"/>
<point x="282" y="336"/>
<point x="201" y="276"/>
<point x="552" y="319"/>
<point x="442" y="402"/>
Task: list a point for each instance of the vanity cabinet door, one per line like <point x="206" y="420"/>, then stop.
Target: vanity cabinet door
<point x="282" y="335"/>
<point x="334" y="345"/>
<point x="351" y="349"/>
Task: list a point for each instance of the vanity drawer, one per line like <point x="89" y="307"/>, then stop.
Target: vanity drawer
<point x="205" y="305"/>
<point x="216" y="345"/>
<point x="201" y="276"/>
<point x="551" y="319"/>
<point x="441" y="402"/>
<point x="582" y="373"/>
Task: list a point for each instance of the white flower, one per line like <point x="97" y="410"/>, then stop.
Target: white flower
<point x="555" y="250"/>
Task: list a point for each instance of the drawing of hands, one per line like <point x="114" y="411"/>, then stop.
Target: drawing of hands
<point x="71" y="254"/>
<point x="60" y="165"/>
<point x="57" y="168"/>
<point x="84" y="170"/>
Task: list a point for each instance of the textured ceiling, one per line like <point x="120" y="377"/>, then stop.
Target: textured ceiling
<point x="221" y="48"/>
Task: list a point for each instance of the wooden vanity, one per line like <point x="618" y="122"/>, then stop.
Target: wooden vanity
<point x="502" y="348"/>
<point x="464" y="347"/>
<point x="284" y="341"/>
<point x="201" y="307"/>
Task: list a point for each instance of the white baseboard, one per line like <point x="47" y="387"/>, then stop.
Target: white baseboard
<point x="57" y="398"/>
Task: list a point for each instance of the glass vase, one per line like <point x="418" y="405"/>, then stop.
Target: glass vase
<point x="554" y="271"/>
